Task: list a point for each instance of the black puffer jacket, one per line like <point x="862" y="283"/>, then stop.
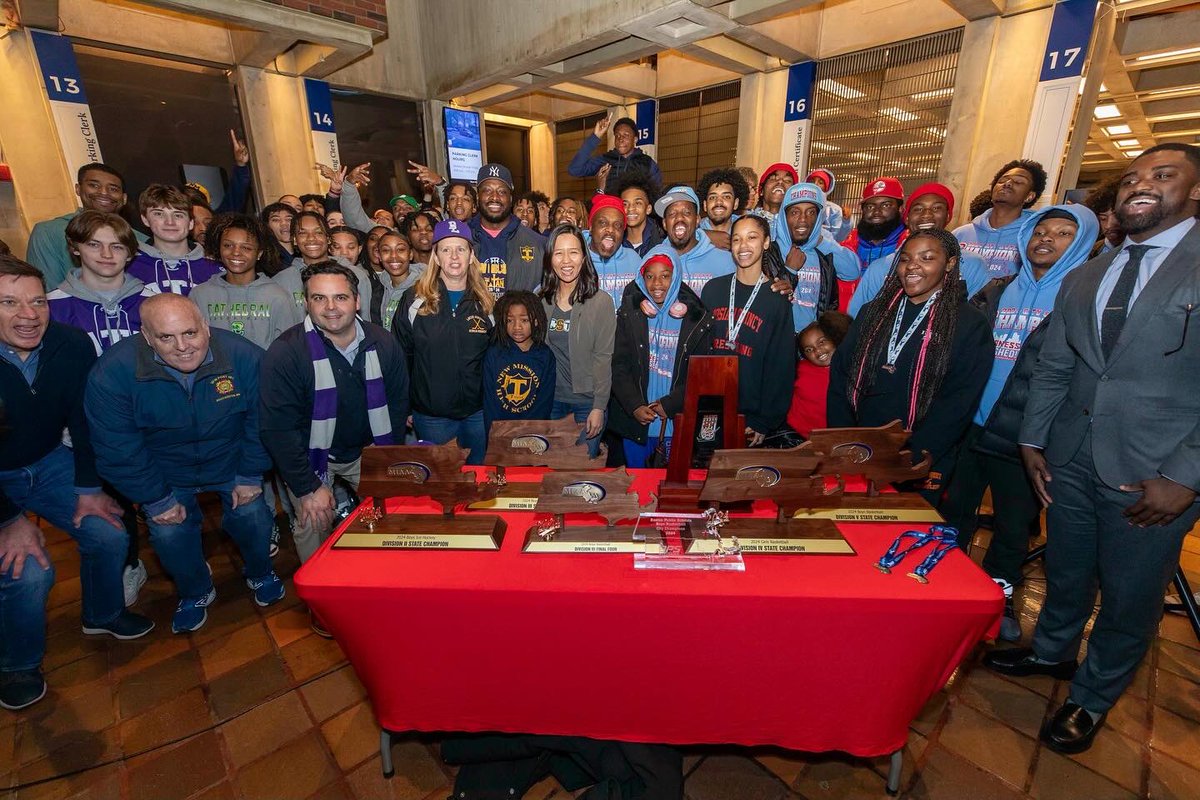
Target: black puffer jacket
<point x="631" y="359"/>
<point x="1002" y="430"/>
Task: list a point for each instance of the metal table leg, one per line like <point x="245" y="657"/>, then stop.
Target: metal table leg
<point x="897" y="766"/>
<point x="385" y="752"/>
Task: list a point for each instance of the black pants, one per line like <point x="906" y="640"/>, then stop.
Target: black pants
<point x="1014" y="507"/>
<point x="1090" y="546"/>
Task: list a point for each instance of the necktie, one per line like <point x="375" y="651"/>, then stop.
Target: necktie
<point x="1117" y="307"/>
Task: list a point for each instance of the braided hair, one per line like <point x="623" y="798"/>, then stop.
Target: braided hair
<point x="933" y="358"/>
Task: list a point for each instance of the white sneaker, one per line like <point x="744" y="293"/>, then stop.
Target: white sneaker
<point x="132" y="580"/>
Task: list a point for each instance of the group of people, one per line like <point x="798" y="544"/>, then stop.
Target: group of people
<point x="255" y="357"/>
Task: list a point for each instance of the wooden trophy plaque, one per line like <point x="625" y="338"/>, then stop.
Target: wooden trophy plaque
<point x="533" y="443"/>
<point x="707" y="376"/>
<point x="785" y="477"/>
<point x="416" y="471"/>
<point x="877" y="454"/>
<point x="579" y="492"/>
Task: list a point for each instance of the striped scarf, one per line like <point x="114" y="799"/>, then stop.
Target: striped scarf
<point x="324" y="415"/>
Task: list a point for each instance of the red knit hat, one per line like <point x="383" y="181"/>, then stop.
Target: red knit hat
<point x="932" y="188"/>
<point x="883" y="187"/>
<point x="788" y="168"/>
<point x="605" y="201"/>
<point x="660" y="258"/>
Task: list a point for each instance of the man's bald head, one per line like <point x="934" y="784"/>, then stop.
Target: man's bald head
<point x="174" y="327"/>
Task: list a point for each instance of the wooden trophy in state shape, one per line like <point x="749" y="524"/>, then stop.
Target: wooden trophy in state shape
<point x="586" y="492"/>
<point x="785" y="477"/>
<point x="879" y="455"/>
<point x="707" y="376"/>
<point x="533" y="443"/>
<point x="433" y="471"/>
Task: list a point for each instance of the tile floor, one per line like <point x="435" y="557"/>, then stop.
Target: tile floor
<point x="256" y="706"/>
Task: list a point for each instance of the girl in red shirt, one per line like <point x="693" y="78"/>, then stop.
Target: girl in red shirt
<point x="815" y="346"/>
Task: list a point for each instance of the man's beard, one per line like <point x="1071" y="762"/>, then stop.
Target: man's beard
<point x="877" y="231"/>
<point x="1142" y="223"/>
<point x="501" y="217"/>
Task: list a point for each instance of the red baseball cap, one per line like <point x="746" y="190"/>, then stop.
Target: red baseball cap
<point x="788" y="168"/>
<point x="883" y="187"/>
<point x="606" y="201"/>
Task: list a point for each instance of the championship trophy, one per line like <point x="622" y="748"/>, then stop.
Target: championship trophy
<point x="878" y="455"/>
<point x="417" y="471"/>
<point x="554" y="444"/>
<point x="786" y="478"/>
<point x="579" y="492"/>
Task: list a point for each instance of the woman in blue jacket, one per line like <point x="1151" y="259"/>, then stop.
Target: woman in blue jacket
<point x="1051" y="244"/>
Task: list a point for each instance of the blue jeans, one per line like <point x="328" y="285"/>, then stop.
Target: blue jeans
<point x="47" y="488"/>
<point x="181" y="551"/>
<point x="469" y="432"/>
<point x="580" y="411"/>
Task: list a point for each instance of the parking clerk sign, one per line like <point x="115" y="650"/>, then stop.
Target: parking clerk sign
<point x="68" y="103"/>
<point x="320" y="122"/>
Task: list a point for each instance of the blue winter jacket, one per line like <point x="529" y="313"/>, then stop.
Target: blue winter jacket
<point x="1025" y="302"/>
<point x="151" y="435"/>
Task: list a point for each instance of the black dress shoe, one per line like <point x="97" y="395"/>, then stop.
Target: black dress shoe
<point x="1021" y="661"/>
<point x="1071" y="729"/>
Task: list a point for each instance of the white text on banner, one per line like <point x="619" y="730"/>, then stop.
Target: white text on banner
<point x="320" y="122"/>
<point x="64" y="89"/>
<point x="796" y="121"/>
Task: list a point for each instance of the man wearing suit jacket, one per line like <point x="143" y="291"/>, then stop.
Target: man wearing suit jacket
<point x="1111" y="441"/>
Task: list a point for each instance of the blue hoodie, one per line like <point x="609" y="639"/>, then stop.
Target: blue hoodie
<point x="616" y="271"/>
<point x="808" y="280"/>
<point x="699" y="265"/>
<point x="974" y="272"/>
<point x="1025" y="302"/>
<point x="997" y="247"/>
<point x="663" y="340"/>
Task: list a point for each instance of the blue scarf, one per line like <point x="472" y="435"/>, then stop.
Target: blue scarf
<point x="663" y="341"/>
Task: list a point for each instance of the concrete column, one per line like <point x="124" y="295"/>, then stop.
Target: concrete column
<point x="29" y="140"/>
<point x="760" y="119"/>
<point x="993" y="100"/>
<point x="274" y="113"/>
<point x="542" y="173"/>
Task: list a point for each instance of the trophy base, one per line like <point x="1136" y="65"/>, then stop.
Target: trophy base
<point x="583" y="539"/>
<point x="678" y="496"/>
<point x="666" y="542"/>
<point x="890" y="507"/>
<point x="768" y="537"/>
<point x="511" y="497"/>
<point x="424" y="532"/>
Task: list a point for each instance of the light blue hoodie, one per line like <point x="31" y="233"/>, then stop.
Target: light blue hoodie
<point x="617" y="270"/>
<point x="1025" y="302"/>
<point x="808" y="280"/>
<point x="974" y="272"/>
<point x="663" y="330"/>
<point x="996" y="246"/>
<point x="699" y="265"/>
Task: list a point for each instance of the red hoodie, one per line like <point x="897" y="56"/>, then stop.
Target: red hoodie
<point x="808" y="398"/>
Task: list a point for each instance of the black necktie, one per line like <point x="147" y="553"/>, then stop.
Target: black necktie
<point x="1117" y="307"/>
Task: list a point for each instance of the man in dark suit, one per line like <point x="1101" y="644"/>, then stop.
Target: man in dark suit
<point x="1111" y="441"/>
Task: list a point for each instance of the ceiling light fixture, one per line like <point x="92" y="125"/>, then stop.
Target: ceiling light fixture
<point x="1118" y="130"/>
<point x="1186" y="51"/>
<point x="1128" y="143"/>
<point x="1109" y="111"/>
<point x="839" y="89"/>
<point x="898" y="114"/>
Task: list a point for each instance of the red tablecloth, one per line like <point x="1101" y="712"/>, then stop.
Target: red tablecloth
<point x="804" y="652"/>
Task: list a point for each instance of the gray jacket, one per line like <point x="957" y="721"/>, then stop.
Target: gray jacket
<point x="593" y="329"/>
<point x="259" y="312"/>
<point x="1142" y="405"/>
<point x="290" y="280"/>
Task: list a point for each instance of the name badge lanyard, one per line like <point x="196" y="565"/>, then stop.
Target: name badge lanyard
<point x="895" y="348"/>
<point x="735" y="326"/>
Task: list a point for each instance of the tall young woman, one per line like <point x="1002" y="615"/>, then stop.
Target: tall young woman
<point x="755" y="324"/>
<point x="444" y="325"/>
<point x="581" y="326"/>
<point x="918" y="353"/>
<point x="660" y="325"/>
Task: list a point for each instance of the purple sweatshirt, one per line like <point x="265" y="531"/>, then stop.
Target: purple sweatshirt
<point x="162" y="274"/>
<point x="105" y="320"/>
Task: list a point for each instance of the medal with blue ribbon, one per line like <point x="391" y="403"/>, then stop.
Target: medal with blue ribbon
<point x="945" y="537"/>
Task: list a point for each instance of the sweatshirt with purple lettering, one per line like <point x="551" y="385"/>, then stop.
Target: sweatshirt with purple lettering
<point x="170" y="274"/>
<point x="106" y="320"/>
